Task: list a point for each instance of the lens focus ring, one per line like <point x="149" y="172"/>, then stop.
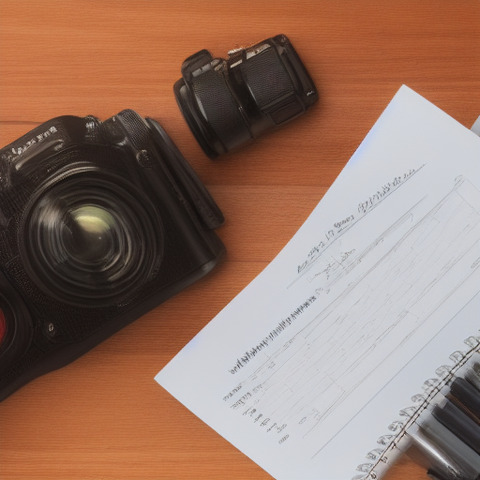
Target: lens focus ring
<point x="220" y="108"/>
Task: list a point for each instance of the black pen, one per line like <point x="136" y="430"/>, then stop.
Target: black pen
<point x="458" y="423"/>
<point x="465" y="396"/>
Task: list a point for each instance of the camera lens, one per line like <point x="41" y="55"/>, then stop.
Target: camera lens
<point x="227" y="103"/>
<point x="91" y="239"/>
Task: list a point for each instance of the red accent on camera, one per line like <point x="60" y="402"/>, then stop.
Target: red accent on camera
<point x="3" y="326"/>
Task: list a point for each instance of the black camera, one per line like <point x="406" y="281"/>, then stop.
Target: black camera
<point x="99" y="223"/>
<point x="227" y="103"/>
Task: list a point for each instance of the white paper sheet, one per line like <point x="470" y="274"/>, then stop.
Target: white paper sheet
<point x="310" y="364"/>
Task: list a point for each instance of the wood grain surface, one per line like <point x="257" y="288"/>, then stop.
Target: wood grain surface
<point x="103" y="417"/>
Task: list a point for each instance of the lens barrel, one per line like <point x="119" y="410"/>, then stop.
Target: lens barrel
<point x="227" y="103"/>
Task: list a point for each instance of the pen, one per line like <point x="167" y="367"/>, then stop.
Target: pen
<point x="466" y="396"/>
<point x="459" y="454"/>
<point x="441" y="452"/>
<point x="439" y="463"/>
<point x="460" y="424"/>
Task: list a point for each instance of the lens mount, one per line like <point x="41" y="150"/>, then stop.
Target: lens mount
<point x="91" y="239"/>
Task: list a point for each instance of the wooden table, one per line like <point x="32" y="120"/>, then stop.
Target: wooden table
<point x="103" y="417"/>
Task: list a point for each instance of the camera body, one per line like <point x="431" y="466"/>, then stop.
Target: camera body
<point x="99" y="223"/>
<point x="229" y="102"/>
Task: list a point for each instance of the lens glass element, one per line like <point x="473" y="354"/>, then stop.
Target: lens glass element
<point x="92" y="236"/>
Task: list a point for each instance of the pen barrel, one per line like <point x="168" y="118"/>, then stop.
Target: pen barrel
<point x="460" y="424"/>
<point x="466" y="397"/>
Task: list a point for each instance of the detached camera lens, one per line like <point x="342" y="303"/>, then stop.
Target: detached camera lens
<point x="227" y="103"/>
<point x="91" y="240"/>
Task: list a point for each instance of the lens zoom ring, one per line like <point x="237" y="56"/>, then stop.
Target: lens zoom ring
<point x="220" y="108"/>
<point x="266" y="77"/>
